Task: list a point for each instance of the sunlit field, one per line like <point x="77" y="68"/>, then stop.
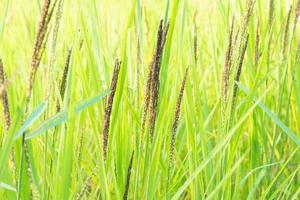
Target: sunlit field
<point x="149" y="99"/>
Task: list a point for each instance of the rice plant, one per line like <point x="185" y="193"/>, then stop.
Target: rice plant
<point x="148" y="99"/>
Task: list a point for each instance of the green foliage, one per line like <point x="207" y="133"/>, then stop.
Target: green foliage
<point x="248" y="149"/>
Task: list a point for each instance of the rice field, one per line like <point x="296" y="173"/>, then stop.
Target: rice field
<point x="149" y="99"/>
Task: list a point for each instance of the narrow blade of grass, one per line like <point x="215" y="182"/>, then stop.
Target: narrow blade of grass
<point x="277" y="121"/>
<point x="37" y="112"/>
<point x="62" y="116"/>
<point x="219" y="147"/>
<point x="7" y="187"/>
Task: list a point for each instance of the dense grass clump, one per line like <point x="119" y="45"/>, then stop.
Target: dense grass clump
<point x="203" y="101"/>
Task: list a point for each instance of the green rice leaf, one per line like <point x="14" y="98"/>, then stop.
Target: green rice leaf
<point x="7" y="187"/>
<point x="218" y="148"/>
<point x="91" y="101"/>
<point x="8" y="143"/>
<point x="277" y="121"/>
<point x="32" y="117"/>
<point x="62" y="116"/>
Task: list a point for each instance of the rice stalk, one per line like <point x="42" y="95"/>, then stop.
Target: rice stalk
<point x="86" y="184"/>
<point x="282" y="77"/>
<point x="62" y="91"/>
<point x="195" y="47"/>
<point x="177" y="113"/>
<point x="138" y="66"/>
<point x="257" y="53"/>
<point x="234" y="54"/>
<point x="4" y="98"/>
<point x="7" y="118"/>
<point x="226" y="70"/>
<point x="297" y="12"/>
<point x="237" y="77"/>
<point x="36" y="56"/>
<point x="51" y="11"/>
<point x="271" y="14"/>
<point x="270" y="24"/>
<point x="236" y="37"/>
<point x="164" y="37"/>
<point x="296" y="18"/>
<point x="125" y="196"/>
<point x="161" y="39"/>
<point x="286" y="33"/>
<point x="63" y="83"/>
<point x="35" y="61"/>
<point x="80" y="147"/>
<point x="147" y="94"/>
<point x="242" y="36"/>
<point x="195" y="41"/>
<point x="250" y="7"/>
<point x="174" y="128"/>
<point x="55" y="30"/>
<point x="108" y="107"/>
<point x="154" y="92"/>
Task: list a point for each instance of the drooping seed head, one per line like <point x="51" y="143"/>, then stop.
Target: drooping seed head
<point x="195" y="41"/>
<point x="87" y="184"/>
<point x="63" y="83"/>
<point x="237" y="77"/>
<point x="250" y="7"/>
<point x="257" y="42"/>
<point x="125" y="196"/>
<point x="35" y="61"/>
<point x="177" y="114"/>
<point x="109" y="105"/>
<point x="174" y="128"/>
<point x="286" y="33"/>
<point x="227" y="65"/>
<point x="297" y="13"/>
<point x="37" y="51"/>
<point x="4" y="96"/>
<point x="151" y="90"/>
<point x="147" y="93"/>
<point x="164" y="36"/>
<point x="155" y="78"/>
<point x="271" y="14"/>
